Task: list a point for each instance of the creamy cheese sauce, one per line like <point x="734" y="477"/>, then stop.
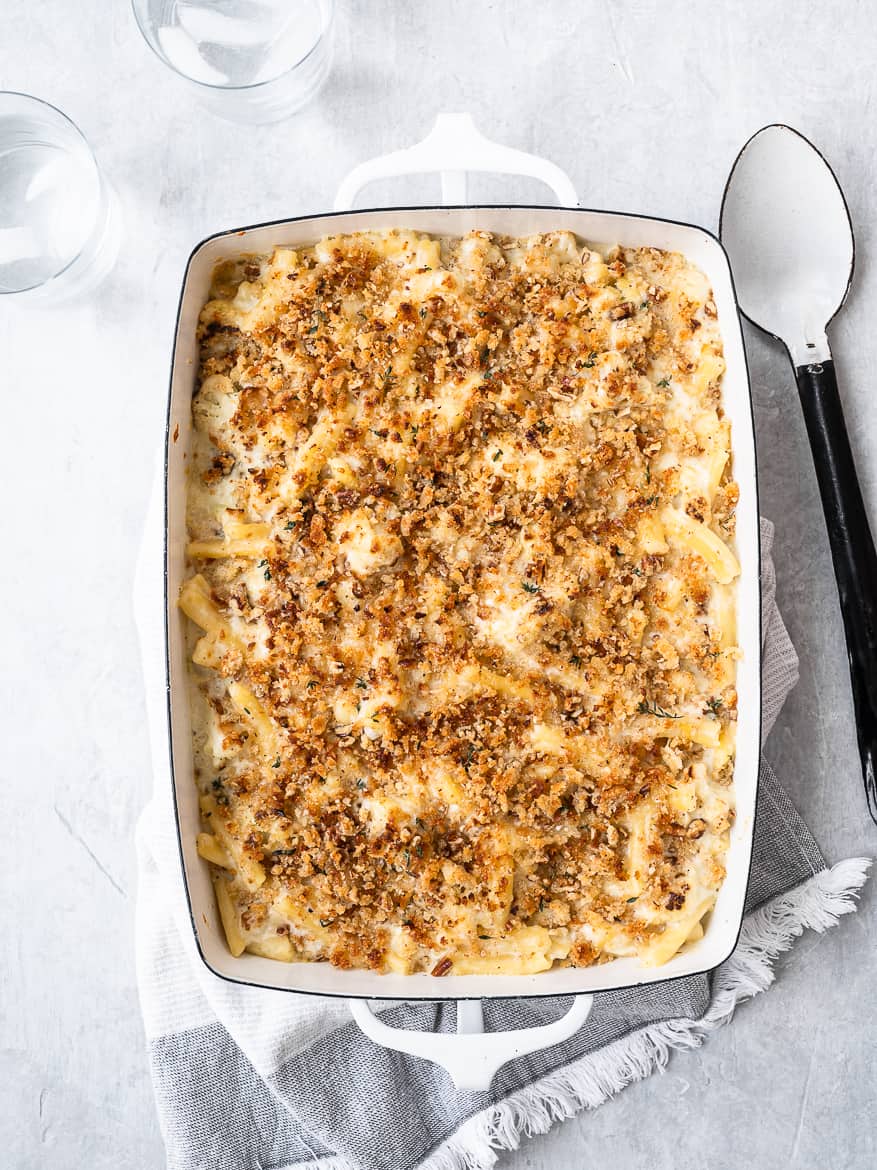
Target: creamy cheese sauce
<point x="462" y="524"/>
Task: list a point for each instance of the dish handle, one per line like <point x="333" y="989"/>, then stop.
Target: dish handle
<point x="453" y="147"/>
<point x="471" y="1056"/>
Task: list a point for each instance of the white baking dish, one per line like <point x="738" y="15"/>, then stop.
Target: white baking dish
<point x="453" y="148"/>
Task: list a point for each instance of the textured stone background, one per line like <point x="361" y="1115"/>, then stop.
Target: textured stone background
<point x="645" y="104"/>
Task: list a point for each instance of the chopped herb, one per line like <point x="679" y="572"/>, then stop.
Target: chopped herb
<point x="481" y="313"/>
<point x="484" y="354"/>
<point x="541" y="904"/>
<point x="665" y="382"/>
<point x="374" y="718"/>
<point x="529" y="587"/>
<point x="496" y="456"/>
<point x="592" y="358"/>
<point x="282" y="853"/>
<point x="387" y="377"/>
<point x="422" y="314"/>
<point x="322" y="584"/>
<point x="361" y="785"/>
<point x="576" y="660"/>
<point x="290" y="524"/>
<point x="414" y="431"/>
<point x="648" y="473"/>
<point x="646" y="708"/>
<point x="629" y="900"/>
<point x="419" y="849"/>
<point x="407" y="857"/>
<point x="542" y="427"/>
<point x="321" y="317"/>
<point x="324" y="922"/>
<point x="311" y="684"/>
<point x="636" y="572"/>
<point x="644" y="304"/>
<point x="713" y="706"/>
<point x="247" y="709"/>
<point x="261" y="563"/>
<point x="484" y="937"/>
<point x="276" y="763"/>
<point x="470" y="752"/>
<point x="362" y="684"/>
<point x="267" y="574"/>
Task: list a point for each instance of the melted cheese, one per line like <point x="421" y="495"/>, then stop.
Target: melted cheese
<point x="461" y="529"/>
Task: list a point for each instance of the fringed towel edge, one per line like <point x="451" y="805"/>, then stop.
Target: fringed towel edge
<point x="817" y="904"/>
<point x="767" y="932"/>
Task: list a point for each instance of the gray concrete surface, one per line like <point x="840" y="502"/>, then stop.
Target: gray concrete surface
<point x="645" y="104"/>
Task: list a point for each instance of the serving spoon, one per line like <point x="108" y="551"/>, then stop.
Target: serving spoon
<point x="786" y="228"/>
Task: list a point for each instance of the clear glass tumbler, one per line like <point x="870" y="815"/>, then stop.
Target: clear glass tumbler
<point x="247" y="60"/>
<point x="59" y="221"/>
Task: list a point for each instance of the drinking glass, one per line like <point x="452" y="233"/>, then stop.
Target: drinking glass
<point x="248" y="60"/>
<point x="59" y="221"/>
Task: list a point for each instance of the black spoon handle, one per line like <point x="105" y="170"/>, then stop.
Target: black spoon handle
<point x="852" y="550"/>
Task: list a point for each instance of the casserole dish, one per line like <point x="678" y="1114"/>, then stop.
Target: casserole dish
<point x="453" y="148"/>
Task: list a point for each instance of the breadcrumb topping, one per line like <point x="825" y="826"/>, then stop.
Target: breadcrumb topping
<point x="462" y="522"/>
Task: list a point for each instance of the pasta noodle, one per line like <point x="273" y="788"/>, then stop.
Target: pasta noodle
<point x="462" y="594"/>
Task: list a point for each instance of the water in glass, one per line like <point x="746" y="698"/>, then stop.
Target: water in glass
<point x="252" y="59"/>
<point x="53" y="202"/>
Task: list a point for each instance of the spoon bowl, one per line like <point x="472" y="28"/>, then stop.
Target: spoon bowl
<point x="787" y="231"/>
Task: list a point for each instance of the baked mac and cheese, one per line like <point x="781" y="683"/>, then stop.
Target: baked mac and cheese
<point x="462" y="600"/>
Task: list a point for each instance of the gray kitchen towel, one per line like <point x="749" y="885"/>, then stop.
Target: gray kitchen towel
<point x="247" y="1079"/>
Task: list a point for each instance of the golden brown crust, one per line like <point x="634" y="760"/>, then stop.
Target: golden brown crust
<point x="481" y="624"/>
